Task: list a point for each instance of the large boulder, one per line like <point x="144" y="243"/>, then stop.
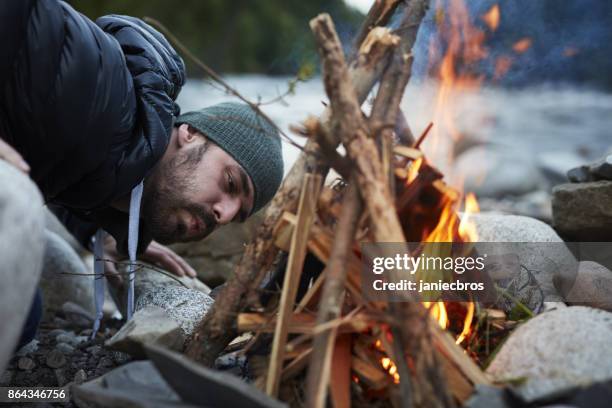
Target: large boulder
<point x="564" y="348"/>
<point x="65" y="277"/>
<point x="583" y="211"/>
<point x="22" y="246"/>
<point x="540" y="253"/>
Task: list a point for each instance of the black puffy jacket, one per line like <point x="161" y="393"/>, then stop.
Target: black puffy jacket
<point x="90" y="106"/>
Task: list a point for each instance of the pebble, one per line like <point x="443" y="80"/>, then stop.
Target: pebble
<point x="65" y="348"/>
<point x="56" y="332"/>
<point x="56" y="359"/>
<point x="67" y="337"/>
<point x="105" y="362"/>
<point x="80" y="376"/>
<point x="94" y="350"/>
<point x="26" y="363"/>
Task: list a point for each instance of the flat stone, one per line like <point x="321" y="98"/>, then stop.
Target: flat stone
<point x="541" y="254"/>
<point x="21" y="250"/>
<point x="149" y="325"/>
<point x="137" y="385"/>
<point x="582" y="211"/>
<point x="202" y="386"/>
<point x="56" y="359"/>
<point x="557" y="350"/>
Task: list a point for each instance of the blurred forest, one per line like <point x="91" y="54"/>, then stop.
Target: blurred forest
<point x="570" y="40"/>
<point x="269" y="37"/>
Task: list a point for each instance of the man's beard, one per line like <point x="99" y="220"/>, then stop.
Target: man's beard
<point x="165" y="192"/>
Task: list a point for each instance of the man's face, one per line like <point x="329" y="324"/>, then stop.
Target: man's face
<point x="195" y="188"/>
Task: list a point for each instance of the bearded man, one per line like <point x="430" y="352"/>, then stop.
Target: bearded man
<point x="88" y="111"/>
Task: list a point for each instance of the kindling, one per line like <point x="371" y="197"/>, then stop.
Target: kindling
<point x="412" y="264"/>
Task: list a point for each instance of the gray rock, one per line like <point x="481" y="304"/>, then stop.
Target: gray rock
<point x="491" y="171"/>
<point x="600" y="170"/>
<point x="70" y="338"/>
<point x="53" y="224"/>
<point x="22" y="247"/>
<point x="592" y="287"/>
<point x="64" y="348"/>
<point x="56" y="359"/>
<point x="26" y="364"/>
<point x="149" y="325"/>
<point x="185" y="306"/>
<point x="137" y="385"/>
<point x="80" y="377"/>
<point x="65" y="277"/>
<point x="540" y="252"/>
<point x="202" y="386"/>
<point x="557" y="350"/>
<point x="583" y="211"/>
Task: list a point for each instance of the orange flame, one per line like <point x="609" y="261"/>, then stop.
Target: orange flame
<point x="522" y="45"/>
<point x="492" y="17"/>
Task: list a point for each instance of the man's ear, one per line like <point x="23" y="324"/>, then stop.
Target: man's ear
<point x="186" y="134"/>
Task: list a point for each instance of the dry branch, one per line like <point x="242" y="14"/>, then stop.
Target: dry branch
<point x="305" y="216"/>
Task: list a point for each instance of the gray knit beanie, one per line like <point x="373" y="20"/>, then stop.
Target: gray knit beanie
<point x="248" y="138"/>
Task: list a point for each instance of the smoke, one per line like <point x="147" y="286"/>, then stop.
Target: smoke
<point x="571" y="41"/>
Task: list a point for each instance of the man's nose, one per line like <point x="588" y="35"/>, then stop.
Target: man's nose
<point x="225" y="210"/>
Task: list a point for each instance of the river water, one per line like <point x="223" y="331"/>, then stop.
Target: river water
<point x="562" y="124"/>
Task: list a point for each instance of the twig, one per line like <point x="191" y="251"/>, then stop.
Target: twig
<point x="421" y="138"/>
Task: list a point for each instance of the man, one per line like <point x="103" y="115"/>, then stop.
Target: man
<point x="88" y="110"/>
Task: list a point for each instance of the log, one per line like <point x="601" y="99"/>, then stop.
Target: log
<point x="217" y="328"/>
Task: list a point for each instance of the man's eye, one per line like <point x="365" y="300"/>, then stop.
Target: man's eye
<point x="230" y="182"/>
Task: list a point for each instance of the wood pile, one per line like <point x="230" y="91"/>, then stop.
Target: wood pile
<point x="338" y="346"/>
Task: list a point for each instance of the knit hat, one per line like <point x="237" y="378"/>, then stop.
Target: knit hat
<point x="248" y="138"/>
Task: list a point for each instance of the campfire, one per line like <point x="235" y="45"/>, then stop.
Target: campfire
<point x="334" y="342"/>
